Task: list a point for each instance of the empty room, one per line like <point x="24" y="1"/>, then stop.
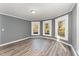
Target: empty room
<point x="39" y="29"/>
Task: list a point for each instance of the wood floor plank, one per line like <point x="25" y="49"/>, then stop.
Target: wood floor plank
<point x="36" y="47"/>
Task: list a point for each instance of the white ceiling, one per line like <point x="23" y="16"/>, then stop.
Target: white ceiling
<point x="43" y="10"/>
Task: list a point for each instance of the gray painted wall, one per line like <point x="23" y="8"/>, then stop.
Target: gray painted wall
<point x="14" y="29"/>
<point x="53" y="28"/>
<point x="0" y="29"/>
<point x="41" y="28"/>
<point x="75" y="27"/>
<point x="72" y="26"/>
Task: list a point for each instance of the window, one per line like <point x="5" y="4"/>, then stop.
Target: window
<point x="61" y="27"/>
<point x="35" y="28"/>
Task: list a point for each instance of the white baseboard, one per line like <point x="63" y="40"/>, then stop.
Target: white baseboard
<point x="14" y="41"/>
<point x="78" y="51"/>
<point x="73" y="50"/>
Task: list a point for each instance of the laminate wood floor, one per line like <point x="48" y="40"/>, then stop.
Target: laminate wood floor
<point x="36" y="47"/>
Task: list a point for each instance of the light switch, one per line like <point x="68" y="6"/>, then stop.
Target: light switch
<point x="3" y="30"/>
